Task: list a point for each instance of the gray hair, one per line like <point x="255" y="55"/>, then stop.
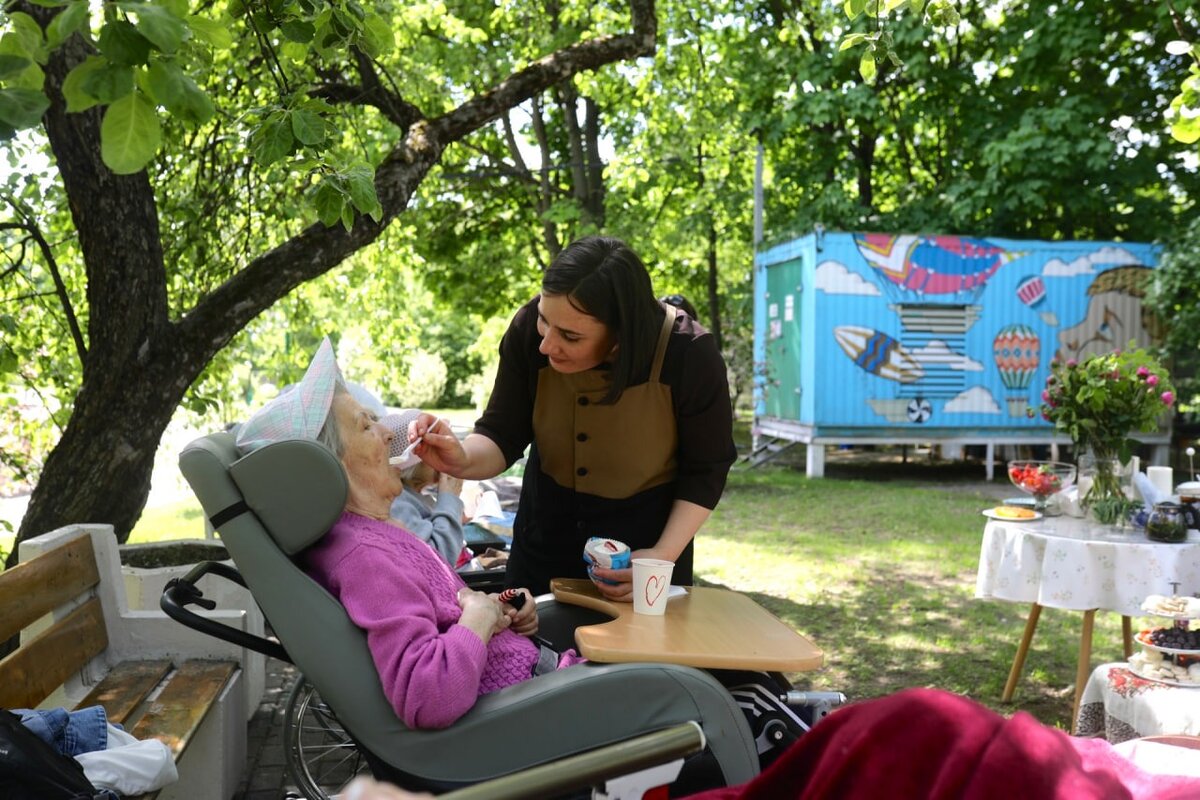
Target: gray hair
<point x="331" y="434"/>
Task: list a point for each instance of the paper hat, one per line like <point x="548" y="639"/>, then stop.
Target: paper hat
<point x="299" y="413"/>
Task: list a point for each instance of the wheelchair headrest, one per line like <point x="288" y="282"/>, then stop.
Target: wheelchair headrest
<point x="297" y="487"/>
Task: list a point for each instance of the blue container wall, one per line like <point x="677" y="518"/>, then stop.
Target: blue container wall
<point x="870" y="332"/>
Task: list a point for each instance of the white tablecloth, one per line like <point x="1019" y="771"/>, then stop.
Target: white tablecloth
<point x="1119" y="705"/>
<point x="1065" y="562"/>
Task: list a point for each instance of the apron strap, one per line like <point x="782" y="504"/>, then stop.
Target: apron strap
<point x="664" y="334"/>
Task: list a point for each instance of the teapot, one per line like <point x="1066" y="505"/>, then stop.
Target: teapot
<point x="1167" y="523"/>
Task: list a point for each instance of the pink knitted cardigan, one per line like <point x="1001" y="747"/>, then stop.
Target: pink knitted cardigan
<point x="397" y="589"/>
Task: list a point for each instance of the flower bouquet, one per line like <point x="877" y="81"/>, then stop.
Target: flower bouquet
<point x="1099" y="402"/>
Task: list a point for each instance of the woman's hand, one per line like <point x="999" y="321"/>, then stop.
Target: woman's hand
<point x="439" y="447"/>
<point x="524" y="619"/>
<point x="482" y="613"/>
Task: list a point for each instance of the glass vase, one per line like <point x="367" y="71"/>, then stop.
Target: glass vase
<point x="1105" y="485"/>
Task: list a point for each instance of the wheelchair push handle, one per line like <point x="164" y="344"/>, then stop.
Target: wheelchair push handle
<point x="182" y="592"/>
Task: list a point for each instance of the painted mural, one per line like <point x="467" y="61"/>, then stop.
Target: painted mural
<point x="959" y="331"/>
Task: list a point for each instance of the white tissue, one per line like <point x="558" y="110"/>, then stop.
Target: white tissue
<point x="1151" y="494"/>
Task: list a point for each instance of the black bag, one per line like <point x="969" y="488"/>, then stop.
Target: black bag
<point x="30" y="769"/>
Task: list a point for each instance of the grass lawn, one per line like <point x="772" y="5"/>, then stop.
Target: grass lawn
<point x="877" y="565"/>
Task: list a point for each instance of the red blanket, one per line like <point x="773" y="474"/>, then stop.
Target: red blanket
<point x="925" y="744"/>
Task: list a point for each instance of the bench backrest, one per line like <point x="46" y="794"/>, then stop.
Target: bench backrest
<point x="28" y="592"/>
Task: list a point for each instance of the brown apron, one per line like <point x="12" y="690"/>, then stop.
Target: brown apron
<point x="614" y="450"/>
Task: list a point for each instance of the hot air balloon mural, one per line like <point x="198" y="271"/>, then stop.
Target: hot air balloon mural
<point x="1032" y="292"/>
<point x="935" y="280"/>
<point x="878" y="354"/>
<point x="1016" y="349"/>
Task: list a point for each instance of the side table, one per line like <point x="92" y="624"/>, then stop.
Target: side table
<point x="1118" y="705"/>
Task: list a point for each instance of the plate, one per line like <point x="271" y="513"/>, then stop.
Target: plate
<point x="1167" y="681"/>
<point x="990" y="513"/>
<point x="1151" y="646"/>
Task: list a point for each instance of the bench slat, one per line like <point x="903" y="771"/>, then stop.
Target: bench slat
<point x="37" y="668"/>
<point x="34" y="588"/>
<point x="177" y="712"/>
<point x="125" y="687"/>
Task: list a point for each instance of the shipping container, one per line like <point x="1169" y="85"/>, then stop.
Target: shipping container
<point x="867" y="338"/>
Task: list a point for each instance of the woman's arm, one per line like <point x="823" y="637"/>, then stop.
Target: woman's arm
<point x="682" y="524"/>
<point x="475" y="458"/>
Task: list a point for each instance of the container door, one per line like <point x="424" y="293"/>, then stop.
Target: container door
<point x="781" y="390"/>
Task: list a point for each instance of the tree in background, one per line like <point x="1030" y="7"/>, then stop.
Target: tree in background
<point x="283" y="151"/>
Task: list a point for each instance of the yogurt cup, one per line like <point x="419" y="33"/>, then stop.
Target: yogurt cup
<point x="607" y="553"/>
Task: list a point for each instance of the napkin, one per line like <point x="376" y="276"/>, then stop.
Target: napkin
<point x="1151" y="494"/>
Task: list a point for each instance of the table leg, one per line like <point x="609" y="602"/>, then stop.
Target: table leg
<point x="1018" y="664"/>
<point x="1127" y="635"/>
<point x="1085" y="662"/>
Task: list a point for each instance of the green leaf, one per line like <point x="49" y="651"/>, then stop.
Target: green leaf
<point x="11" y="65"/>
<point x="854" y="7"/>
<point x="360" y="180"/>
<point x="916" y="6"/>
<point x="851" y="39"/>
<point x="165" y="30"/>
<point x="22" y="108"/>
<point x="195" y="107"/>
<point x="122" y="43"/>
<point x="164" y="83"/>
<point x="298" y="30"/>
<point x="347" y="216"/>
<point x="212" y="32"/>
<point x="272" y="140"/>
<point x="308" y="127"/>
<point x="129" y="135"/>
<point x="377" y="37"/>
<point x="66" y="23"/>
<point x="328" y="201"/>
<point x="25" y="37"/>
<point x="866" y="66"/>
<point x="78" y="98"/>
<point x="109" y="83"/>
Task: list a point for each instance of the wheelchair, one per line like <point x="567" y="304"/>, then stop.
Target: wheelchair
<point x="271" y="504"/>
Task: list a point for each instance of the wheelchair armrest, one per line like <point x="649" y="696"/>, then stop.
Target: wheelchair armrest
<point x="182" y="592"/>
<point x="591" y="768"/>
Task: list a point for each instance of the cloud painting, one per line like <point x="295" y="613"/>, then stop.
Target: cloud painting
<point x="976" y="400"/>
<point x="1085" y="265"/>
<point x="939" y="353"/>
<point x="834" y="278"/>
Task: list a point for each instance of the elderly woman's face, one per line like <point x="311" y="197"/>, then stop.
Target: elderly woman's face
<point x="365" y="442"/>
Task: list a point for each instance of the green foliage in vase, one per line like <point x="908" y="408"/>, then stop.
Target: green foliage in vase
<point x="1099" y="402"/>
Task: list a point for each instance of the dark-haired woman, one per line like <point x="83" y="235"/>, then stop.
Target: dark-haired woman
<point x="626" y="405"/>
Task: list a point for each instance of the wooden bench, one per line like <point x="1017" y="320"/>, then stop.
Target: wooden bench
<point x="81" y="646"/>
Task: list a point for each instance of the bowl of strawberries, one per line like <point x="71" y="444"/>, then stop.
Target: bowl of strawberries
<point x="1042" y="479"/>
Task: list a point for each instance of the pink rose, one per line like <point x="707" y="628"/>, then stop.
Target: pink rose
<point x="1168" y="397"/>
<point x="1072" y="363"/>
<point x="1045" y="395"/>
<point x="1046" y="414"/>
<point x="1051" y="380"/>
<point x="1152" y="380"/>
<point x="1142" y="372"/>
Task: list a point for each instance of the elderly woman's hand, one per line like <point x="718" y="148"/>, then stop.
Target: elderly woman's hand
<point x="482" y="614"/>
<point x="524" y="619"/>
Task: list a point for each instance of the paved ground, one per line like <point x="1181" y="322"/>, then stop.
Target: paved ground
<point x="266" y="775"/>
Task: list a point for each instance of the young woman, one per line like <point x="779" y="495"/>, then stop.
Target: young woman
<point x="624" y="404"/>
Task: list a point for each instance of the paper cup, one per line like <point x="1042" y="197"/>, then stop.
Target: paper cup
<point x="651" y="585"/>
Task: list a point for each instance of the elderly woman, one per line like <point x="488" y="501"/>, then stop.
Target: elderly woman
<point x="436" y="644"/>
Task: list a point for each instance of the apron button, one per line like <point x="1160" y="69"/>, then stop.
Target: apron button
<point x="581" y="471"/>
<point x="582" y="437"/>
<point x="583" y="401"/>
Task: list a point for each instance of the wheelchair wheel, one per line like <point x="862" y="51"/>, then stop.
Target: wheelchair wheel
<point x="320" y="756"/>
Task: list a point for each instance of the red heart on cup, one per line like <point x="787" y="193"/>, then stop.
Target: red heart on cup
<point x="654" y="582"/>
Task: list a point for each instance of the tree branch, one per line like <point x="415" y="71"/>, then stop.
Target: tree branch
<point x="371" y="93"/>
<point x="548" y="71"/>
<point x="60" y="287"/>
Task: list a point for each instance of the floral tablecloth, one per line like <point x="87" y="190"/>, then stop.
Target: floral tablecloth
<point x="1119" y="705"/>
<point x="1065" y="562"/>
